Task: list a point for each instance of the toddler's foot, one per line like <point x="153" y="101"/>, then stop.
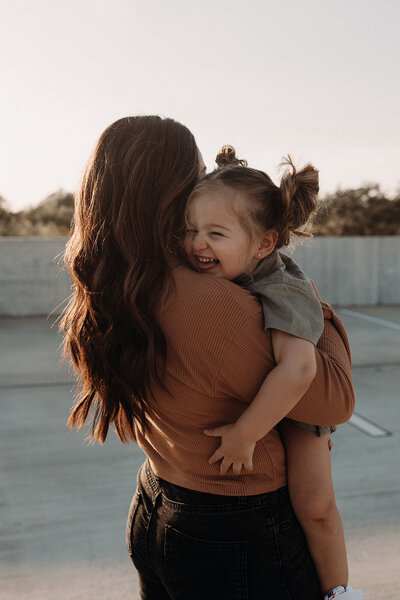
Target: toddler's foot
<point x="344" y="593"/>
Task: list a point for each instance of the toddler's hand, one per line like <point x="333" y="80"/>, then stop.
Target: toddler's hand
<point x="233" y="450"/>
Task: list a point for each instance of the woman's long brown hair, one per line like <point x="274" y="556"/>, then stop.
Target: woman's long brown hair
<point x="129" y="218"/>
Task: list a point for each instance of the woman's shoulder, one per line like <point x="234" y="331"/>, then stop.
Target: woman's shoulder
<point x="218" y="293"/>
<point x="206" y="319"/>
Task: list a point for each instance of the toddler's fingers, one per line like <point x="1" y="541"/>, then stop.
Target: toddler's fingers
<point x="237" y="468"/>
<point x="248" y="465"/>
<point x="225" y="464"/>
<point x="216" y="456"/>
<point x="212" y="432"/>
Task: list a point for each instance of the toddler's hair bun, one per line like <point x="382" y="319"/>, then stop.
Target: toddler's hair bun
<point x="226" y="157"/>
<point x="299" y="195"/>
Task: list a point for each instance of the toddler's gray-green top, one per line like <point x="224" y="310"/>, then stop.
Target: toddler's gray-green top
<point x="287" y="297"/>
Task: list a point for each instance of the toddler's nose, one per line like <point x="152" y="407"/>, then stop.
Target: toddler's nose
<point x="199" y="243"/>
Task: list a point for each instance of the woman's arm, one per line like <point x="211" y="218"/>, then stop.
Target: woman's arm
<point x="330" y="398"/>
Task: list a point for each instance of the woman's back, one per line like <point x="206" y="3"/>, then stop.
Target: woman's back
<point x="217" y="357"/>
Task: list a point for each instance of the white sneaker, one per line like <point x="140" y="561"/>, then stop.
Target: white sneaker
<point x="351" y="594"/>
<point x="346" y="594"/>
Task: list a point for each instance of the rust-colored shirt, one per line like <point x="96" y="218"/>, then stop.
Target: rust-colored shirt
<point x="218" y="356"/>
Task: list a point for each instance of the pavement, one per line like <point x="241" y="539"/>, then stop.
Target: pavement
<point x="64" y="503"/>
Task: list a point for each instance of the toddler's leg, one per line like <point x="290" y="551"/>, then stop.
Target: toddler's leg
<point x="313" y="499"/>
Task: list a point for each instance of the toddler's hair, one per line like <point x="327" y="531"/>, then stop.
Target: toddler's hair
<point x="226" y="157"/>
<point x="286" y="208"/>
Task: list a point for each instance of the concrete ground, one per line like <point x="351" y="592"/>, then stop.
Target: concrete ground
<point x="64" y="503"/>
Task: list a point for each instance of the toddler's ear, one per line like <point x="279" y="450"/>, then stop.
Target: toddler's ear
<point x="267" y="243"/>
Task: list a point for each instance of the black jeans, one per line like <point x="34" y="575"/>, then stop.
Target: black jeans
<point x="188" y="545"/>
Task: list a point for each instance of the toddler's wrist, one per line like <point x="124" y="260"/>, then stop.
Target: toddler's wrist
<point x="243" y="433"/>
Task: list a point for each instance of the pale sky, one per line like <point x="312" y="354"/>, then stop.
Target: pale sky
<point x="313" y="78"/>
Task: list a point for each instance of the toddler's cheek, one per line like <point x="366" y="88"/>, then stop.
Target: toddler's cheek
<point x="187" y="245"/>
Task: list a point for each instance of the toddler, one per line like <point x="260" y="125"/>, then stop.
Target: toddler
<point x="237" y="220"/>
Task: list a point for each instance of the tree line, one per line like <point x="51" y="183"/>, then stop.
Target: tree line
<point x="50" y="218"/>
<point x="362" y="211"/>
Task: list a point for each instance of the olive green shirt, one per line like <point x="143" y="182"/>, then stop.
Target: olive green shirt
<point x="287" y="297"/>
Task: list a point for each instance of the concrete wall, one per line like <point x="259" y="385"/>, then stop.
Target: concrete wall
<point x="353" y="270"/>
<point x="346" y="270"/>
<point x="32" y="281"/>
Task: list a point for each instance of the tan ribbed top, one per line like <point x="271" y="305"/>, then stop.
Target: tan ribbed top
<point x="218" y="356"/>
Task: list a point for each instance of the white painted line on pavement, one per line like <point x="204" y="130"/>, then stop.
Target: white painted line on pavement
<point x="368" y="426"/>
<point x="357" y="315"/>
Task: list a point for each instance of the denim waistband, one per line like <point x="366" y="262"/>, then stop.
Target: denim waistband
<point x="176" y="493"/>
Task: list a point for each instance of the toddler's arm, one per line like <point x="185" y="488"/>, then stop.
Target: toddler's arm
<point x="278" y="394"/>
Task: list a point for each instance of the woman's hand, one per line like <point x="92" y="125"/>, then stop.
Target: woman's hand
<point x="234" y="450"/>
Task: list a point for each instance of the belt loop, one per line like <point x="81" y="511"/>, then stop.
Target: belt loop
<point x="152" y="480"/>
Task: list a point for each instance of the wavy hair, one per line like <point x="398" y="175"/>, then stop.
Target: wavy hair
<point x="129" y="218"/>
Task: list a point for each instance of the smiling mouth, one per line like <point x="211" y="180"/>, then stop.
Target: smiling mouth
<point x="206" y="263"/>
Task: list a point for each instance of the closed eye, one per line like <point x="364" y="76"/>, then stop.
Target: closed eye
<point x="217" y="233"/>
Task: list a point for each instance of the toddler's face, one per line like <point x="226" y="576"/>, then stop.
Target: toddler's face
<point x="216" y="240"/>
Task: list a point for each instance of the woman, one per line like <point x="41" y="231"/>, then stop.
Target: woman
<point x="163" y="353"/>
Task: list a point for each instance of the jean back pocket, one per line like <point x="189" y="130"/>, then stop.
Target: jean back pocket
<point x="205" y="569"/>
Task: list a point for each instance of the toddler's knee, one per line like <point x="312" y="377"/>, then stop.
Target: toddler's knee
<point x="317" y="509"/>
